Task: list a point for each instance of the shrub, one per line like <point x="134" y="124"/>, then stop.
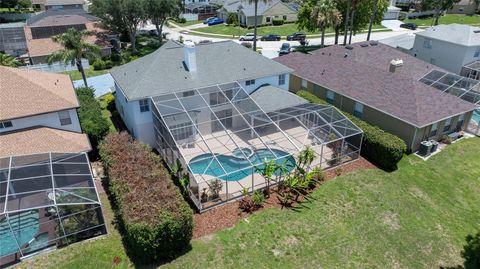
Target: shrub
<point x="181" y="20"/>
<point x="380" y="147"/>
<point x="115" y="57"/>
<point x="278" y="22"/>
<point x="99" y="64"/>
<point x="108" y="64"/>
<point x="247" y="44"/>
<point x="155" y="220"/>
<point x="471" y="251"/>
<point x="258" y="198"/>
<point x="232" y="18"/>
<point x="445" y="139"/>
<point x="92" y="121"/>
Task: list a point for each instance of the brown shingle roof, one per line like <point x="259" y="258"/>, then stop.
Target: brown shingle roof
<point x="362" y="74"/>
<point x="41" y="140"/>
<point x="26" y="92"/>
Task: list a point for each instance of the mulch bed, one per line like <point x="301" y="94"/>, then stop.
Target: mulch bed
<point x="228" y="215"/>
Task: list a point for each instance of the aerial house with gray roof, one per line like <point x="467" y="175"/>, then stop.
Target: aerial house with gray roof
<point x="220" y="110"/>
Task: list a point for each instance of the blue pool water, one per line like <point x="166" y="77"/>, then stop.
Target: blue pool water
<point x="232" y="164"/>
<point x="476" y="116"/>
<point x="28" y="224"/>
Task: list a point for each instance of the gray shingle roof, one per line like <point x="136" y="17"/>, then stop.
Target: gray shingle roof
<point x="362" y="75"/>
<point x="454" y="33"/>
<point x="249" y="8"/>
<point x="163" y="71"/>
<point x="271" y="98"/>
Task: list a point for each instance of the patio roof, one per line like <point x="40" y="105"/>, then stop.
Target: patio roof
<point x="210" y="130"/>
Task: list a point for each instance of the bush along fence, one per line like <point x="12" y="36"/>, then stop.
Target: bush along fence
<point x="156" y="222"/>
<point x="378" y="146"/>
<point x="92" y="121"/>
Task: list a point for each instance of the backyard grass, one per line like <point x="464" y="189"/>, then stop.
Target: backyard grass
<point x="448" y="19"/>
<point x="283" y="30"/>
<point x="415" y="217"/>
<point x="89" y="72"/>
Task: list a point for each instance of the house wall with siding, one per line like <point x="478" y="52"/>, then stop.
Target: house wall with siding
<point x="407" y="132"/>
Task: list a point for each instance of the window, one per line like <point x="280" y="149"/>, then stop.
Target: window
<point x="281" y="79"/>
<point x="433" y="129"/>
<point x="144" y="105"/>
<point x="461" y="118"/>
<point x="6" y="124"/>
<point x="268" y="19"/>
<point x="477" y="53"/>
<point x="427" y="43"/>
<point x="285" y="17"/>
<point x="358" y="110"/>
<point x="250" y="82"/>
<point x="188" y="93"/>
<point x="304" y="84"/>
<point x="448" y="123"/>
<point x="64" y="118"/>
<point x="330" y="96"/>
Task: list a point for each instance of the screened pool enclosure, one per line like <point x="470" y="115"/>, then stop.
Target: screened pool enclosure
<point x="462" y="87"/>
<point x="220" y="136"/>
<point x="46" y="201"/>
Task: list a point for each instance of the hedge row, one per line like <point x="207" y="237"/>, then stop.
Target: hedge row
<point x="380" y="147"/>
<point x="92" y="121"/>
<point x="156" y="222"/>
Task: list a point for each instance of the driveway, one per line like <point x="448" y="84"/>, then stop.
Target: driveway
<point x="393" y="25"/>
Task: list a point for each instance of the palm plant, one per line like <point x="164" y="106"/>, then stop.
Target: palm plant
<point x="306" y="157"/>
<point x="75" y="48"/>
<point x="372" y="18"/>
<point x="7" y="60"/>
<point x="255" y="2"/>
<point x="325" y="14"/>
<point x="267" y="170"/>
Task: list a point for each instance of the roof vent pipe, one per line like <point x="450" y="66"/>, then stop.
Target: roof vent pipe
<point x="396" y="65"/>
<point x="190" y="58"/>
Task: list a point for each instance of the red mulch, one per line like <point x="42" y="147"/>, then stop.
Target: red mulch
<point x="228" y="215"/>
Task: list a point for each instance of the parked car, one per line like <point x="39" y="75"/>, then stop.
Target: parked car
<point x="215" y="21"/>
<point x="296" y="36"/>
<point x="270" y="38"/>
<point x="208" y="19"/>
<point x="284" y="49"/>
<point x="247" y="37"/>
<point x="411" y="26"/>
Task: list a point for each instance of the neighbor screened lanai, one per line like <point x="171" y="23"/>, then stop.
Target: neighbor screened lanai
<point x="465" y="88"/>
<point x="221" y="136"/>
<point x="46" y="200"/>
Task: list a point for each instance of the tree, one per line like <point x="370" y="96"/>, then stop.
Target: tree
<point x="8" y="4"/>
<point x="255" y="2"/>
<point x="7" y="60"/>
<point x="319" y="14"/>
<point x="24" y="3"/>
<point x="439" y="6"/>
<point x="121" y="16"/>
<point x="158" y="11"/>
<point x="374" y="14"/>
<point x="471" y="252"/>
<point x="75" y="48"/>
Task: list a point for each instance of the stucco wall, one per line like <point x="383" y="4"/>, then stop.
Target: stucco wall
<point x="48" y="119"/>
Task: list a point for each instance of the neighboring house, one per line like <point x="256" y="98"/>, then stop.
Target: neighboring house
<point x="467" y="7"/>
<point x="381" y="86"/>
<point x="266" y="12"/>
<point x="174" y="67"/>
<point x="40" y="29"/>
<point x="392" y="11"/>
<point x="12" y="39"/>
<point x="403" y="42"/>
<point x="38" y="113"/>
<point x="58" y="4"/>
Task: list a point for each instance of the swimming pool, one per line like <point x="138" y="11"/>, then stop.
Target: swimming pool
<point x="234" y="165"/>
<point x="26" y="224"/>
<point x="476" y="116"/>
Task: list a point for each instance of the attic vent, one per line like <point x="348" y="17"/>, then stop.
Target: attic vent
<point x="349" y="47"/>
<point x="373" y="43"/>
<point x="363" y="45"/>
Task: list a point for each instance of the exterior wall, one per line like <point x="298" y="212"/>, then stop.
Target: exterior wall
<point x="463" y="9"/>
<point x="452" y="61"/>
<point x="278" y="11"/>
<point x="48" y="119"/>
<point x="64" y="7"/>
<point x="273" y="80"/>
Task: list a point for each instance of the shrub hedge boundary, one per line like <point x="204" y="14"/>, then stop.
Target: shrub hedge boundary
<point x="155" y="221"/>
<point x="382" y="148"/>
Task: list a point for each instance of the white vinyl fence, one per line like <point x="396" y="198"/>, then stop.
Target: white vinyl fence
<point x="56" y="67"/>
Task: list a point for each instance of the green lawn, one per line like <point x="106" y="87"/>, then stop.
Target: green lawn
<point x="416" y="217"/>
<point x="188" y="23"/>
<point x="89" y="72"/>
<point x="282" y="30"/>
<point x="448" y="19"/>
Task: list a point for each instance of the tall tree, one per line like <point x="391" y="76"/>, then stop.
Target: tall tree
<point x="8" y="4"/>
<point x="347" y="20"/>
<point x="372" y="18"/>
<point x="255" y="3"/>
<point x="121" y="15"/>
<point x="439" y="6"/>
<point x="158" y="11"/>
<point x="7" y="60"/>
<point x="319" y="14"/>
<point x="75" y="48"/>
